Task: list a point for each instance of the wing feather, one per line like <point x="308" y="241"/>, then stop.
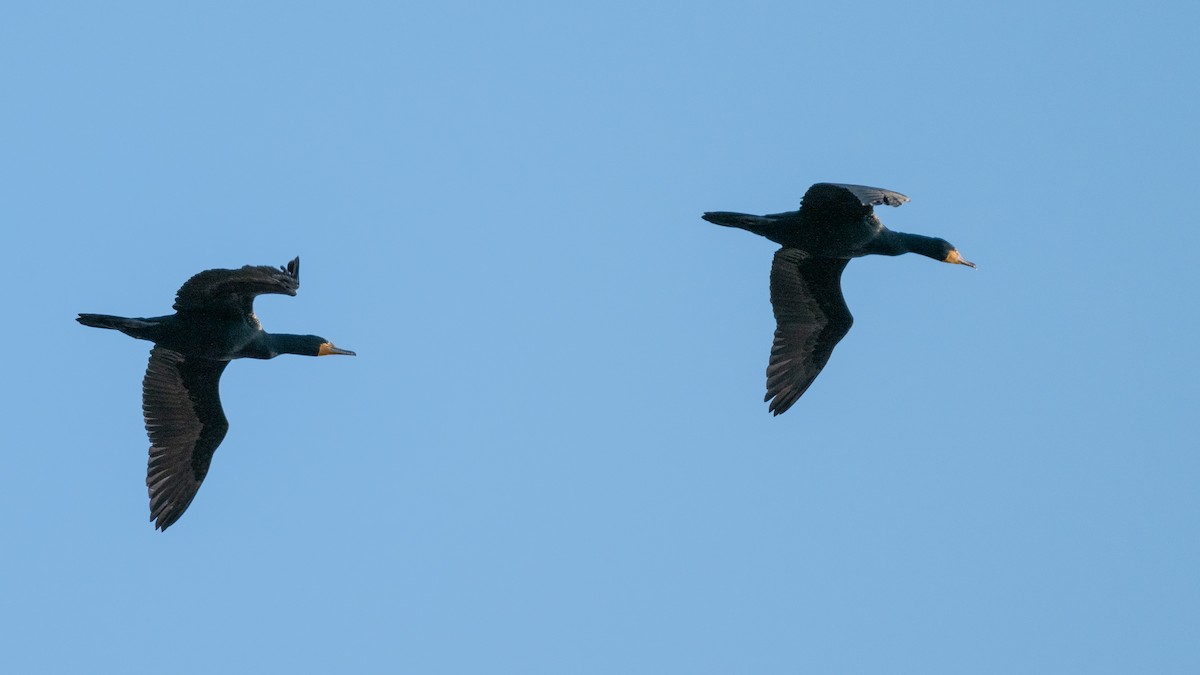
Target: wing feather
<point x="838" y="203"/>
<point x="871" y="196"/>
<point x="222" y="290"/>
<point x="185" y="423"/>
<point x="811" y="317"/>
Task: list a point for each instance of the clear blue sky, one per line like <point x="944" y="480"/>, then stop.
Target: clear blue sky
<point x="551" y="454"/>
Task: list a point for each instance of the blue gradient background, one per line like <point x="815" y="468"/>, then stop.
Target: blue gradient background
<point x="551" y="454"/>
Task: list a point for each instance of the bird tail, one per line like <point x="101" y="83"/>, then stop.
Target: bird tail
<point x="756" y="224"/>
<point x="133" y="327"/>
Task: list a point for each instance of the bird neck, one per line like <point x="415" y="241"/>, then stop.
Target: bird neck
<point x="286" y="343"/>
<point x="898" y="243"/>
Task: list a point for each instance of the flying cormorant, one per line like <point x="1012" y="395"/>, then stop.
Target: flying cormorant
<point x="213" y="323"/>
<point x="834" y="224"/>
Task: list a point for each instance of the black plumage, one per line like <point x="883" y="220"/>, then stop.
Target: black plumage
<point x="835" y="223"/>
<point x="214" y="323"/>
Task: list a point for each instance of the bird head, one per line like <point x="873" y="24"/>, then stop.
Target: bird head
<point x="304" y="345"/>
<point x="947" y="253"/>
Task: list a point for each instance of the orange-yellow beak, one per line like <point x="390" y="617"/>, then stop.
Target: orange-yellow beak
<point x="954" y="257"/>
<point x="327" y="348"/>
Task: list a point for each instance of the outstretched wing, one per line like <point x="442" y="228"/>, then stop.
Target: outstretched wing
<point x="185" y="423"/>
<point x="811" y="317"/>
<point x="835" y="202"/>
<point x="871" y="196"/>
<point x="233" y="291"/>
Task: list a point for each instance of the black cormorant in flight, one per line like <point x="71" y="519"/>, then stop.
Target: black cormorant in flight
<point x="834" y="224"/>
<point x="213" y="324"/>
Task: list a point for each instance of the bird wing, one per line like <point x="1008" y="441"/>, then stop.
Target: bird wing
<point x="871" y="196"/>
<point x="185" y="423"/>
<point x="233" y="291"/>
<point x="811" y="318"/>
<point x="840" y="199"/>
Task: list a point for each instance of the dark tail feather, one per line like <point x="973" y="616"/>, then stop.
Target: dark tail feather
<point x="745" y="221"/>
<point x="102" y="321"/>
<point x="133" y="327"/>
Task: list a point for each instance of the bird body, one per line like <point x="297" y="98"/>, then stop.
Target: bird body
<point x="214" y="323"/>
<point x="792" y="230"/>
<point x="217" y="338"/>
<point x="835" y="223"/>
<point x="832" y="223"/>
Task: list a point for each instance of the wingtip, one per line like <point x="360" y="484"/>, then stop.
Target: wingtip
<point x="773" y="408"/>
<point x="165" y="518"/>
<point x="779" y="403"/>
